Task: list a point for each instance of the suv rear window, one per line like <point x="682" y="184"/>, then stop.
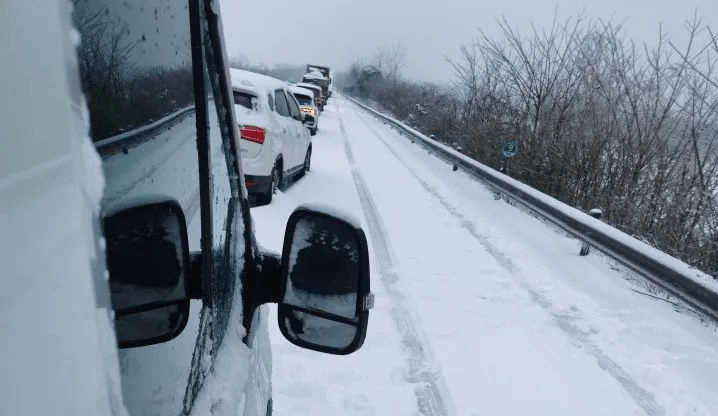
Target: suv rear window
<point x="245" y="100"/>
<point x="303" y="99"/>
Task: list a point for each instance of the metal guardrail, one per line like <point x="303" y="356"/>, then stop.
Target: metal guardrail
<point x="134" y="137"/>
<point x="695" y="288"/>
<point x="121" y="142"/>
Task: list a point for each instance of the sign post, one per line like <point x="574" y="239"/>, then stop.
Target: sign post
<point x="510" y="149"/>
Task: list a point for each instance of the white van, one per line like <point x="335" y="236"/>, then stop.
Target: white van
<point x="142" y="245"/>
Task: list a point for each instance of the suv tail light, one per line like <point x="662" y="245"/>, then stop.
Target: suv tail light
<point x="308" y="110"/>
<point x="252" y="133"/>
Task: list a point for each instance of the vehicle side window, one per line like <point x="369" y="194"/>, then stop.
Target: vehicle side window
<point x="142" y="110"/>
<point x="270" y="100"/>
<point x="281" y="101"/>
<point x="141" y="102"/>
<point x="245" y="100"/>
<point x="293" y="107"/>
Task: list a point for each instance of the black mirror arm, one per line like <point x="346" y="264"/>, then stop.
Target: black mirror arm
<point x="266" y="283"/>
<point x="194" y="280"/>
<point x="263" y="286"/>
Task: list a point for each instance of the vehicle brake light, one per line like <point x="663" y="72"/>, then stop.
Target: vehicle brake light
<point x="252" y="133"/>
<point x="308" y="110"/>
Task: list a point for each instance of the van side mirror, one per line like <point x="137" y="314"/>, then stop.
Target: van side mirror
<point x="149" y="268"/>
<point x="325" y="299"/>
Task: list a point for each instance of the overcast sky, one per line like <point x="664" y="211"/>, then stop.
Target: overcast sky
<point x="338" y="32"/>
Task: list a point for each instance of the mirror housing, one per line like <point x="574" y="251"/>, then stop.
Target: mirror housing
<point x="325" y="284"/>
<point x="149" y="271"/>
<point x="308" y="118"/>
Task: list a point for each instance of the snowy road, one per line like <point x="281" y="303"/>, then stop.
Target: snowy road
<point x="480" y="309"/>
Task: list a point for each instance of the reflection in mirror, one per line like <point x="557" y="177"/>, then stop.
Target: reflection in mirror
<point x="326" y="296"/>
<point x="323" y="269"/>
<point x="147" y="259"/>
<point x="308" y="327"/>
<point x="135" y="66"/>
<point x="137" y="328"/>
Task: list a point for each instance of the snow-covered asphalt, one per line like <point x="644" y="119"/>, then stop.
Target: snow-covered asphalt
<point x="481" y="309"/>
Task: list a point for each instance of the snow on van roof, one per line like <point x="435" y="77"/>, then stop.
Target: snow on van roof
<point x="309" y="86"/>
<point x="301" y="90"/>
<point x="243" y="79"/>
<point x="314" y="75"/>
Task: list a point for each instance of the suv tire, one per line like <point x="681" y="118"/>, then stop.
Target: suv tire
<point x="307" y="163"/>
<point x="266" y="198"/>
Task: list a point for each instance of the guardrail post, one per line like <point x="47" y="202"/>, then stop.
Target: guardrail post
<point x="585" y="247"/>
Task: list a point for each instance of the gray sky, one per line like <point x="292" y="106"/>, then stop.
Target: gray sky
<point x="338" y="32"/>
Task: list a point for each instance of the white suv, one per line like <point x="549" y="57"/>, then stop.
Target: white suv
<point x="305" y="98"/>
<point x="276" y="144"/>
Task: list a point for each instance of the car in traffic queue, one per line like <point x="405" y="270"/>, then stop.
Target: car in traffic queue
<point x="319" y="100"/>
<point x="326" y="72"/>
<point x="305" y="98"/>
<point x="317" y="78"/>
<point x="275" y="140"/>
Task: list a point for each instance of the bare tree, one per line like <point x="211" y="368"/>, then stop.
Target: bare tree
<point x="602" y="122"/>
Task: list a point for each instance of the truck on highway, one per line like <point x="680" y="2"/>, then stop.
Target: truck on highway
<point x="321" y="76"/>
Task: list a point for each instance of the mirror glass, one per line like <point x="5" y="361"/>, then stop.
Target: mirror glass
<point x="139" y="327"/>
<point x="323" y="272"/>
<point x="308" y="327"/>
<point x="146" y="260"/>
<point x="319" y="306"/>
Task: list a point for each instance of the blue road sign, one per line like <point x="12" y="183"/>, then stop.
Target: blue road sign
<point x="510" y="148"/>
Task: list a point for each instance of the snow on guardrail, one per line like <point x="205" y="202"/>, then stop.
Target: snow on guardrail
<point x="678" y="279"/>
<point x="134" y="136"/>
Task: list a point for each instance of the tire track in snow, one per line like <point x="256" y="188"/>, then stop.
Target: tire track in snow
<point x="642" y="397"/>
<point x="432" y="400"/>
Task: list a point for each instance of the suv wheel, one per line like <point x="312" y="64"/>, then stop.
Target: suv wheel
<point x="266" y="198"/>
<point x="307" y="162"/>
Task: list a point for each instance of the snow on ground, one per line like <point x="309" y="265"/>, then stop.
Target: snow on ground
<point x="480" y="308"/>
<point x="311" y="383"/>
